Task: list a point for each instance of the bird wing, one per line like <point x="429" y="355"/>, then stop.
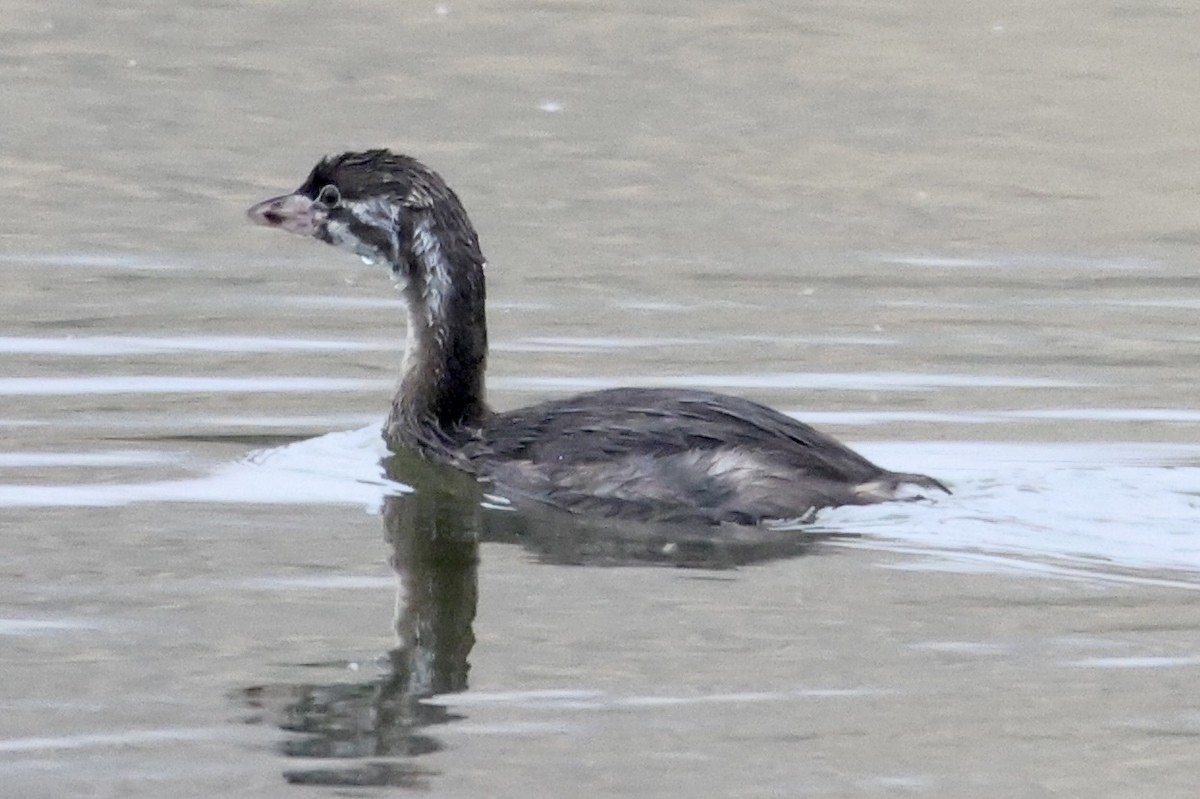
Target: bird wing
<point x="606" y="425"/>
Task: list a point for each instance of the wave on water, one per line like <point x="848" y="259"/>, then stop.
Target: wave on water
<point x="1093" y="508"/>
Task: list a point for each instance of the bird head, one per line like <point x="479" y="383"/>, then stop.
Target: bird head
<point x="380" y="205"/>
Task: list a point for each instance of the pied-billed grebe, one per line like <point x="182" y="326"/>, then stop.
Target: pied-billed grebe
<point x="647" y="454"/>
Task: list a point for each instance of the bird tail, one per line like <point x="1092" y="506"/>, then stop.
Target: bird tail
<point x="889" y="487"/>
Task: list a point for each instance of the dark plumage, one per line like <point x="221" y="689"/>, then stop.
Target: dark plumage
<point x="650" y="454"/>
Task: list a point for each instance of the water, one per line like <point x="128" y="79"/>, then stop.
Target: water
<point x="961" y="242"/>
<point x="1102" y="509"/>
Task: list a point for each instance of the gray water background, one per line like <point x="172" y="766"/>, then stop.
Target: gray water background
<point x="962" y="238"/>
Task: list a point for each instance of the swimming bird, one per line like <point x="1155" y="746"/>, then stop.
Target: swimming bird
<point x="648" y="454"/>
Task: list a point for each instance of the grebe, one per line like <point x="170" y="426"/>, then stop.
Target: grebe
<point x="662" y="455"/>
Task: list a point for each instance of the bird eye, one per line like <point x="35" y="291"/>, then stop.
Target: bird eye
<point x="329" y="196"/>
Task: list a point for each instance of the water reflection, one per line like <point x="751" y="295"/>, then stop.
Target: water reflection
<point x="379" y="726"/>
<point x="381" y="723"/>
<point x="556" y="537"/>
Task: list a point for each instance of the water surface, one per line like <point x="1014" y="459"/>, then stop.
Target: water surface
<point x="964" y="242"/>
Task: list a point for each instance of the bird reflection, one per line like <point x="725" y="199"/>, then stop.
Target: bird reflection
<point x="379" y="727"/>
<point x="380" y="723"/>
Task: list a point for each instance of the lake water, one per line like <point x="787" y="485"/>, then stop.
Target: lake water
<point x="965" y="242"/>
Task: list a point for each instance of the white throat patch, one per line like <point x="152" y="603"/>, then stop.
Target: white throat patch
<point x="375" y="213"/>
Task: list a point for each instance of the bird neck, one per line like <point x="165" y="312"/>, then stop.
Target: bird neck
<point x="442" y="383"/>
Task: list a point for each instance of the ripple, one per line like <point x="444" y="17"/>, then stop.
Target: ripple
<point x="106" y="458"/>
<point x="24" y="627"/>
<point x="152" y="384"/>
<point x="318" y="583"/>
<point x="124" y="738"/>
<point x="341" y="468"/>
<point x="1056" y="509"/>
<point x="1030" y="261"/>
<point x="1143" y="662"/>
<point x="91" y="261"/>
<point x="157" y="345"/>
<point x="588" y="344"/>
<point x="1070" y="511"/>
<point x="868" y="418"/>
<point x="1110" y="414"/>
<point x="815" y="381"/>
<point x="322" y="301"/>
<point x="585" y="699"/>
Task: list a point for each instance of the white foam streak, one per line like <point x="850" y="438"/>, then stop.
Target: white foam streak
<point x="339" y="468"/>
<point x="168" y="345"/>
<point x="816" y="381"/>
<point x="153" y="384"/>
